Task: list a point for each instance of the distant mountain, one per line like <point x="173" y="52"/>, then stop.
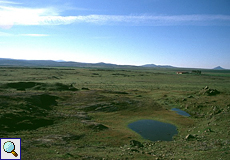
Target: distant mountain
<point x="218" y="68"/>
<point x="51" y="63"/>
<point x="149" y="65"/>
<point x="61" y="63"/>
<point x="60" y="60"/>
<point x="158" y="66"/>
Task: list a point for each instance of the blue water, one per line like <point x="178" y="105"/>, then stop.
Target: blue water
<point x="154" y="130"/>
<point x="180" y="112"/>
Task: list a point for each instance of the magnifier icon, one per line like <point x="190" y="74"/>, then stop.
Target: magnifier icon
<point x="9" y="147"/>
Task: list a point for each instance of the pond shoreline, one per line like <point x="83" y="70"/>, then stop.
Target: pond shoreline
<point x="154" y="130"/>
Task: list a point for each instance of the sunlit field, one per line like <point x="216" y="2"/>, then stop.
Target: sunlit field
<point x="83" y="113"/>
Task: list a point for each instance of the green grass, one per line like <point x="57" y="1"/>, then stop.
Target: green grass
<point x="115" y="98"/>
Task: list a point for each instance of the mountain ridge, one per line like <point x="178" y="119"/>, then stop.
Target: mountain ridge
<point x="160" y="66"/>
<point x="62" y="63"/>
<point x="53" y="63"/>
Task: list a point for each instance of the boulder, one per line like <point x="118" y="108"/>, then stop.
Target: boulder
<point x="208" y="91"/>
<point x="94" y="125"/>
<point x="135" y="143"/>
<point x="189" y="137"/>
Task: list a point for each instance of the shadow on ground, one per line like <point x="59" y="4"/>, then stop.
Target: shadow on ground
<point x="26" y="113"/>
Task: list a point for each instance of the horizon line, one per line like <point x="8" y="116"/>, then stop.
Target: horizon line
<point x="61" y="61"/>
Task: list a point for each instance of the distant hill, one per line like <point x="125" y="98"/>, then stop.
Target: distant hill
<point x="218" y="68"/>
<point x="51" y="63"/>
<point x="61" y="63"/>
<point x="159" y="66"/>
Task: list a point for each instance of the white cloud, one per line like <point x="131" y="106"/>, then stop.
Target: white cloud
<point x="10" y="16"/>
<point x="3" y="34"/>
<point x="9" y="2"/>
<point x="34" y="35"/>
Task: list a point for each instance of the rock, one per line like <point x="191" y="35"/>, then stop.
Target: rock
<point x="208" y="91"/>
<point x="208" y="130"/>
<point x="99" y="127"/>
<point x="135" y="150"/>
<point x="68" y="155"/>
<point x="82" y="116"/>
<point x="84" y="88"/>
<point x="189" y="137"/>
<point x="71" y="137"/>
<point x="94" y="125"/>
<point x="216" y="110"/>
<point x="135" y="143"/>
<point x="49" y="139"/>
<point x="184" y="99"/>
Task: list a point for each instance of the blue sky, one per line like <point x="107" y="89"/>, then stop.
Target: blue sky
<point x="182" y="33"/>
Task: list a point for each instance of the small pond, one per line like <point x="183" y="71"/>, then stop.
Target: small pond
<point x="180" y="112"/>
<point x="154" y="130"/>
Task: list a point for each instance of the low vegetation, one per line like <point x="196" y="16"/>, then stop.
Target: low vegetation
<point x="83" y="113"/>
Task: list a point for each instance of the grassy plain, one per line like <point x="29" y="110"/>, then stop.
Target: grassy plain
<point x="83" y="113"/>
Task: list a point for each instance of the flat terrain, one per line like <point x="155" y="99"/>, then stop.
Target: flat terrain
<point x="83" y="113"/>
